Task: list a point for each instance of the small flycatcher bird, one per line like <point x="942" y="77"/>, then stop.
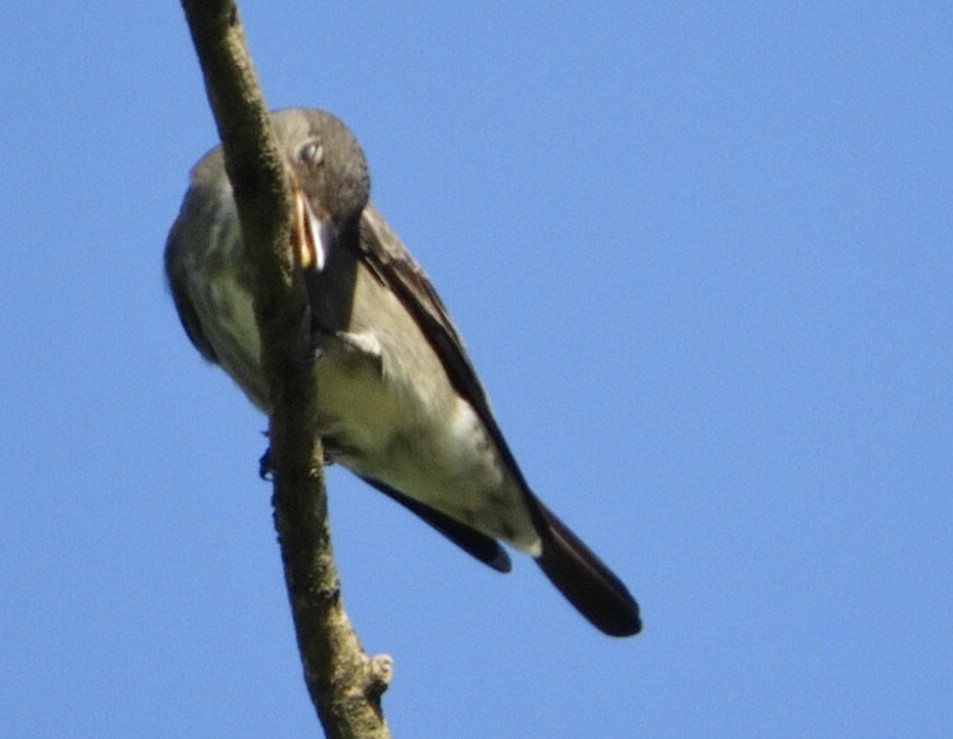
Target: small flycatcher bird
<point x="399" y="402"/>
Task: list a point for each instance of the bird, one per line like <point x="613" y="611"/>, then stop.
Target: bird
<point x="399" y="401"/>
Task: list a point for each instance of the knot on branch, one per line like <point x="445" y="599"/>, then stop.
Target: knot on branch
<point x="380" y="670"/>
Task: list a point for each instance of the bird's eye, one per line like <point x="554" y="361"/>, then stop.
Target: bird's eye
<point x="311" y="152"/>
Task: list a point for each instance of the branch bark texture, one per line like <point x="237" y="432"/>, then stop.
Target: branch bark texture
<point x="344" y="684"/>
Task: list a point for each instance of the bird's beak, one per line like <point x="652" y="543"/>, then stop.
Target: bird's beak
<point x="311" y="235"/>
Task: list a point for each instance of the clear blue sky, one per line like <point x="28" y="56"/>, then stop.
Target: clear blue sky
<point x="701" y="255"/>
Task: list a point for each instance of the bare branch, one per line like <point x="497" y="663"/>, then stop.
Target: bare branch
<point x="344" y="684"/>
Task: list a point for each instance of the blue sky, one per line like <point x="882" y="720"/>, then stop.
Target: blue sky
<point x="701" y="256"/>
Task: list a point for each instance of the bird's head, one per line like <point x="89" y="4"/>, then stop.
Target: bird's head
<point x="329" y="180"/>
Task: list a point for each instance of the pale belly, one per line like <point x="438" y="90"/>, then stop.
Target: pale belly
<point x="416" y="435"/>
<point x="388" y="411"/>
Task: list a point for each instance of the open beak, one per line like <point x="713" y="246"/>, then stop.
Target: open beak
<point x="311" y="236"/>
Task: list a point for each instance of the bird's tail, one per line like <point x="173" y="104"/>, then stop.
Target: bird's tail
<point x="584" y="579"/>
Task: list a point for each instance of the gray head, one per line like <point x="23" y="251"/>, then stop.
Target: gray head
<point x="329" y="179"/>
<point x="326" y="161"/>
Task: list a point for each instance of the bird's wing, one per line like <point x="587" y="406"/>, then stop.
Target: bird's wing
<point x="178" y="263"/>
<point x="569" y="564"/>
<point x="390" y="262"/>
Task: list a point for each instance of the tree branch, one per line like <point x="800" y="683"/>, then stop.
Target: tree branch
<point x="344" y="684"/>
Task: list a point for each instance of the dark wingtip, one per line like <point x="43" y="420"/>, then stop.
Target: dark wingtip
<point x="585" y="581"/>
<point x="481" y="546"/>
<point x="500" y="562"/>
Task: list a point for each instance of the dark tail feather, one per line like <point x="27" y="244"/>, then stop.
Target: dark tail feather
<point x="586" y="582"/>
